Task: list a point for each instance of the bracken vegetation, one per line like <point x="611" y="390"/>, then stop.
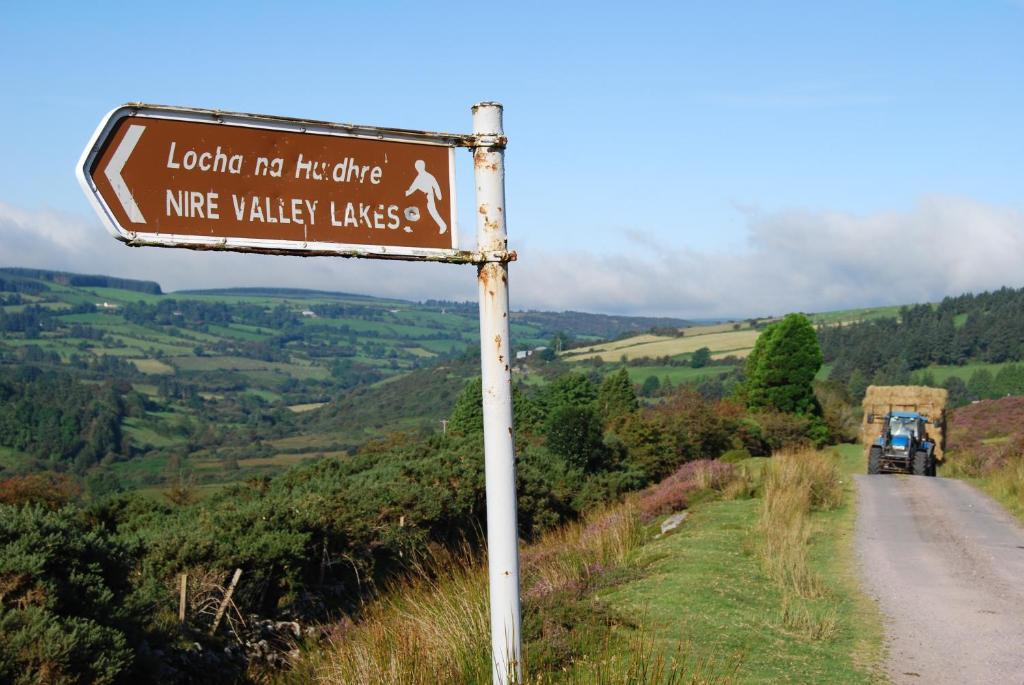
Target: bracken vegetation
<point x="986" y="444"/>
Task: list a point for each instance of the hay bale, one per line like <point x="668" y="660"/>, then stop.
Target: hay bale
<point x="882" y="399"/>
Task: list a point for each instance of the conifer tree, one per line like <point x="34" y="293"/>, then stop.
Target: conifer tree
<point x="782" y="366"/>
<point x="616" y="396"/>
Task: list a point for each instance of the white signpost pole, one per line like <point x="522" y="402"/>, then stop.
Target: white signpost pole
<point x="492" y="257"/>
<point x="495" y="364"/>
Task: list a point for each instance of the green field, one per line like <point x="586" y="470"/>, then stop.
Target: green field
<point x="152" y="366"/>
<point x="941" y="373"/>
<point x="247" y="365"/>
<point x="144" y="434"/>
<point x="674" y="374"/>
<point x="851" y="315"/>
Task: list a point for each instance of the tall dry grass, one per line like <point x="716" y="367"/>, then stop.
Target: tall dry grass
<point x="434" y="627"/>
<point x="568" y="557"/>
<point x="1007" y="482"/>
<point x="424" y="630"/>
<point x="795" y="485"/>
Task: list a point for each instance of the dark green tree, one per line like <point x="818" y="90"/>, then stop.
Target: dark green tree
<point x="651" y="385"/>
<point x="701" y="358"/>
<point x="560" y="341"/>
<point x="468" y="414"/>
<point x="857" y="385"/>
<point x="572" y="389"/>
<point x="981" y="385"/>
<point x="958" y="393"/>
<point x="616" y="396"/>
<point x="782" y="366"/>
<point x="574" y="433"/>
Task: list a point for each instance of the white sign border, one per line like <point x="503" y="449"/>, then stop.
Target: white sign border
<point x="271" y="246"/>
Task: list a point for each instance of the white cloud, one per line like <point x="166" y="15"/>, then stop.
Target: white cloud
<point x="805" y="261"/>
<point x="791" y="260"/>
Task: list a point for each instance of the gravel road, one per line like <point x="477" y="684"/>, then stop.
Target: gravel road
<point x="946" y="565"/>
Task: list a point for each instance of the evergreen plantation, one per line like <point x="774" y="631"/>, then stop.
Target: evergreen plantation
<point x="958" y="332"/>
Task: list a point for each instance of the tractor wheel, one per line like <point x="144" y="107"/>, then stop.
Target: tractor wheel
<point x="921" y="463"/>
<point x="874" y="458"/>
<point x="931" y="464"/>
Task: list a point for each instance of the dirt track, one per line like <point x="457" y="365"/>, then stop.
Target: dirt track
<point x="946" y="565"/>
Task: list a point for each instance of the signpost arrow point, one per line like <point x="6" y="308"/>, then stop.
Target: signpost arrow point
<point x="113" y="173"/>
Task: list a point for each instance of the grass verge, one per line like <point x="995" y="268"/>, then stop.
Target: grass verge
<point x="1003" y="482"/>
<point x="715" y="587"/>
<point x="605" y="601"/>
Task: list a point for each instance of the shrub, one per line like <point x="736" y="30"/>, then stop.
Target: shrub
<point x="735" y="456"/>
<point x="673" y="493"/>
<point x="574" y="433"/>
<point x="840" y="417"/>
<point x="67" y="611"/>
<point x="698" y="429"/>
<point x="50" y="490"/>
<point x="780" y="431"/>
<point x="648" y="445"/>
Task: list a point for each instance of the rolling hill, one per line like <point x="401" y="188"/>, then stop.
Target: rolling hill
<point x="230" y="379"/>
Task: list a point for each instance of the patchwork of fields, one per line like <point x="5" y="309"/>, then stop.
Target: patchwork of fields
<point x="727" y="339"/>
<point x="238" y="383"/>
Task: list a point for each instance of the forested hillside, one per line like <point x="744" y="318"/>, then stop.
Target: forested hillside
<point x="966" y="343"/>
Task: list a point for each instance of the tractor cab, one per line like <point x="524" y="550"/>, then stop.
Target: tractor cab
<point x="906" y="424"/>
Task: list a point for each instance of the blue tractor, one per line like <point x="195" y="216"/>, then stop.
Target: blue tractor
<point x="904" y="445"/>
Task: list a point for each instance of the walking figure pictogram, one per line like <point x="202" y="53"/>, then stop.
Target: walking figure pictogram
<point x="427" y="184"/>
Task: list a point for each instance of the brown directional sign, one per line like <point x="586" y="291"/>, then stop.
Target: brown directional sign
<point x="213" y="180"/>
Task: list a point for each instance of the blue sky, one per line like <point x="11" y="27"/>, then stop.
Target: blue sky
<point x="669" y="158"/>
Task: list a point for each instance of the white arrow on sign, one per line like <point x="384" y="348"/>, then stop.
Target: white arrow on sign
<point x="113" y="173"/>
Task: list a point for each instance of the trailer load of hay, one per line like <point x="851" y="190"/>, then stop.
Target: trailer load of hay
<point x="931" y="402"/>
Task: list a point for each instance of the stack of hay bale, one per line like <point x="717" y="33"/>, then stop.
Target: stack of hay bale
<point x="882" y="399"/>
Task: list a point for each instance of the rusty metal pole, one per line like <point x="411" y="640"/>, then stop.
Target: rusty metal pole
<point x="495" y="365"/>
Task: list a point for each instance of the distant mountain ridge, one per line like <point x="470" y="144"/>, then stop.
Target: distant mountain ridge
<point x="83" y="280"/>
<point x="260" y="291"/>
<point x="584" y="323"/>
